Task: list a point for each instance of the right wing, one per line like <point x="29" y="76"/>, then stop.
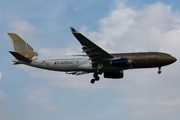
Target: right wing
<point x="94" y="52"/>
<point x="77" y="73"/>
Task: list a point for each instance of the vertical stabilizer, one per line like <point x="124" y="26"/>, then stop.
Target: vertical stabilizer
<point x="21" y="47"/>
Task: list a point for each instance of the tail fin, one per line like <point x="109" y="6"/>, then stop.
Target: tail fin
<point x="21" y="47"/>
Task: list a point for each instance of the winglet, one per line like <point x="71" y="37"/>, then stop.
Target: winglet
<point x="74" y="31"/>
<point x="20" y="57"/>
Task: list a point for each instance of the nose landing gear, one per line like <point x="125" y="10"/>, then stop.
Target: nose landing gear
<point x="159" y="71"/>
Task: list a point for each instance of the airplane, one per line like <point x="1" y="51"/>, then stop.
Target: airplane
<point x="95" y="60"/>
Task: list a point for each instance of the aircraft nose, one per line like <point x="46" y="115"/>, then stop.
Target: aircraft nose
<point x="173" y="59"/>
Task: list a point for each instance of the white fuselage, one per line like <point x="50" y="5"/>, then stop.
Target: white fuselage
<point x="63" y="63"/>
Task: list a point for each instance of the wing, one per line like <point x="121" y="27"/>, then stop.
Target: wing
<point x="95" y="53"/>
<point x="77" y="73"/>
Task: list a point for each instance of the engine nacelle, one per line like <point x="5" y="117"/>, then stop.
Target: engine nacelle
<point x="114" y="74"/>
<point x="122" y="62"/>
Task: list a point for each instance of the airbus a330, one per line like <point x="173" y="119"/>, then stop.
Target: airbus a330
<point x="96" y="60"/>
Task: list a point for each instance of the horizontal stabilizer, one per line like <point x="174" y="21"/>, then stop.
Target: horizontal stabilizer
<point x="20" y="57"/>
<point x="17" y="63"/>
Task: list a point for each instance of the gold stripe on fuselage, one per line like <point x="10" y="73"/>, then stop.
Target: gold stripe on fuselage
<point x="147" y="59"/>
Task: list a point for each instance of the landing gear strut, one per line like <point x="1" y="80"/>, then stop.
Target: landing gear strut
<point x="159" y="71"/>
<point x="96" y="77"/>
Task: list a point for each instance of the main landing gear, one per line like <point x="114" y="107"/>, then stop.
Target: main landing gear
<point x="96" y="77"/>
<point x="159" y="71"/>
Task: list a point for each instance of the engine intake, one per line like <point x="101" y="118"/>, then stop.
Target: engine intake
<point x="122" y="62"/>
<point x="114" y="74"/>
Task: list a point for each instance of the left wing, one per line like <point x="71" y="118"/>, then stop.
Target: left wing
<point x="94" y="52"/>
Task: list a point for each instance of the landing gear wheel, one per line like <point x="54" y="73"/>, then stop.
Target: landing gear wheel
<point x="97" y="78"/>
<point x="95" y="75"/>
<point x="93" y="81"/>
<point x="159" y="72"/>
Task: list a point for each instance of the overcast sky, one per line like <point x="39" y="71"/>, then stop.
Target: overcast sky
<point x="28" y="93"/>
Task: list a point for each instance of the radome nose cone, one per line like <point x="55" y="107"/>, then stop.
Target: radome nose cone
<point x="175" y="59"/>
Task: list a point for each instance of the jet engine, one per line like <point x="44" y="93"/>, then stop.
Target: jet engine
<point x="114" y="74"/>
<point x="122" y="62"/>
